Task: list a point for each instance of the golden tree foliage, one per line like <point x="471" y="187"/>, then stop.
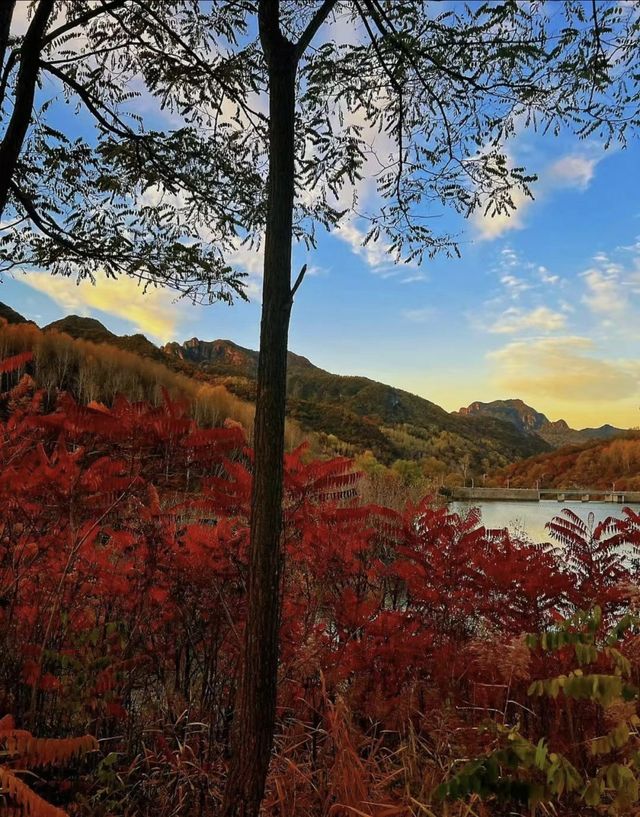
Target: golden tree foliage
<point x="599" y="464"/>
<point x="98" y="372"/>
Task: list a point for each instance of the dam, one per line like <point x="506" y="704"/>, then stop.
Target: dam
<point x="537" y="494"/>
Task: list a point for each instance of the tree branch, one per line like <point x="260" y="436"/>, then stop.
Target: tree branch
<point x="91" y="102"/>
<point x="299" y="280"/>
<point x="81" y="20"/>
<point x="204" y="66"/>
<point x="310" y="31"/>
<point x="6" y="15"/>
<point x="51" y="229"/>
<point x="11" y="145"/>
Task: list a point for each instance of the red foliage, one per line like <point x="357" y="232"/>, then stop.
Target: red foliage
<point x="123" y="544"/>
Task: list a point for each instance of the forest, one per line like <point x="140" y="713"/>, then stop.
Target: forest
<point x="417" y="443"/>
<point x="602" y="464"/>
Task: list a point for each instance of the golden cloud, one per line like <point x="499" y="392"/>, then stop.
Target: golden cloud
<point x="541" y="319"/>
<point x="489" y="227"/>
<point x="564" y="368"/>
<point x="154" y="313"/>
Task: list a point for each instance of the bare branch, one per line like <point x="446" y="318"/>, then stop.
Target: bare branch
<point x="298" y="281"/>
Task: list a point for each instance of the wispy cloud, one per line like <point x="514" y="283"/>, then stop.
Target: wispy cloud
<point x="518" y="274"/>
<point x="377" y="254"/>
<point x="612" y="288"/>
<point x="572" y="170"/>
<point x="541" y="319"/>
<point x="546" y="277"/>
<point x="421" y="315"/>
<point x="603" y="294"/>
<point x="514" y="284"/>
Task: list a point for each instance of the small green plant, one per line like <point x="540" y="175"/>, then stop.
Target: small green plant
<point x="602" y="771"/>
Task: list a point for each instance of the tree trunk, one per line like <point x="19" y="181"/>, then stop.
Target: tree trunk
<point x="14" y="136"/>
<point x="254" y="717"/>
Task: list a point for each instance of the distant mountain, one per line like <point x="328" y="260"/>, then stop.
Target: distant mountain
<point x="362" y="414"/>
<point x="91" y="329"/>
<point x="530" y="421"/>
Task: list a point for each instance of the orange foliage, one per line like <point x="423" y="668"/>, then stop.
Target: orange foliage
<point x="602" y="464"/>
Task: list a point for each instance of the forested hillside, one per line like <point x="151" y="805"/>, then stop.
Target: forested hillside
<point x="598" y="464"/>
<point x="123" y="572"/>
<point x="359" y="414"/>
<point x="340" y="415"/>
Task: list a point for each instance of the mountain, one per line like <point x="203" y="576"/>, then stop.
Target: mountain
<point x="341" y="414"/>
<point x="355" y="414"/>
<point x="223" y="357"/>
<point x="10" y="315"/>
<point x="91" y="329"/>
<point x="530" y="421"/>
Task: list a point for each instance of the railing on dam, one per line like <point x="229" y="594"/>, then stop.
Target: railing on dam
<point x="536" y="494"/>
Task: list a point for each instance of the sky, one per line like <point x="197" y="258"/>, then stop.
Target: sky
<point x="543" y="306"/>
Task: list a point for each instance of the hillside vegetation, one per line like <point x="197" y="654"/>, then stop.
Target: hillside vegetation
<point x="98" y="372"/>
<point x="353" y="415"/>
<point x="123" y="577"/>
<point x="404" y="436"/>
<point x="597" y="464"/>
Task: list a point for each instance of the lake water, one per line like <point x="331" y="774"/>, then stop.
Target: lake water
<point x="531" y="517"/>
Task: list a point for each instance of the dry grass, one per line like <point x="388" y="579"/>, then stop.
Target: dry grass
<point x="98" y="372"/>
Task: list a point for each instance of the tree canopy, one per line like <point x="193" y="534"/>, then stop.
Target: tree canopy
<point x="157" y="164"/>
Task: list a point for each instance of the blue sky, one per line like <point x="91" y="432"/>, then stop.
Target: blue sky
<point x="544" y="306"/>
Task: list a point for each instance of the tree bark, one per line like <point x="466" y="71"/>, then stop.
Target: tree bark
<point x="254" y="717"/>
<point x="6" y="15"/>
<point x="11" y="145"/>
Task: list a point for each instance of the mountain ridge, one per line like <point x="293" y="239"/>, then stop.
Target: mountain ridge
<point x="349" y="414"/>
<point x="556" y="432"/>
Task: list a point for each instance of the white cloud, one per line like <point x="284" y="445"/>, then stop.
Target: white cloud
<point x="604" y="293"/>
<point x="572" y="170"/>
<point x="612" y="288"/>
<point x="376" y="254"/>
<point x="546" y="277"/>
<point x="527" y="299"/>
<point x="514" y="284"/>
<point x="490" y="227"/>
<point x="540" y="319"/>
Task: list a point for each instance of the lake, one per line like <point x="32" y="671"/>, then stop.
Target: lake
<point x="531" y="517"/>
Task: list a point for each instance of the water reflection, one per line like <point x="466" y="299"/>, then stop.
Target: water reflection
<point x="531" y="517"/>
